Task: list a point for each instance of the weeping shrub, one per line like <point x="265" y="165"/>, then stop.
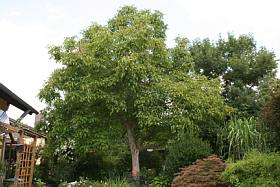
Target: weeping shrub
<point x="202" y="173"/>
<point x="240" y="136"/>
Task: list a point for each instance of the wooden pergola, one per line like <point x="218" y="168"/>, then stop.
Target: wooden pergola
<point x="17" y="154"/>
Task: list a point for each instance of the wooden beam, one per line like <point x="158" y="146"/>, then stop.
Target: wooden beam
<point x="12" y="138"/>
<point x="8" y="128"/>
<point x="23" y="115"/>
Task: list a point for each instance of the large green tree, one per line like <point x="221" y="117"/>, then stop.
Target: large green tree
<point x="121" y="76"/>
<point x="240" y="65"/>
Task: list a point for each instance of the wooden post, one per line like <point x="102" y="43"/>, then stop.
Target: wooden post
<point x="17" y="169"/>
<point x="18" y="160"/>
<point x="3" y="148"/>
<point x="32" y="160"/>
<point x="21" y="140"/>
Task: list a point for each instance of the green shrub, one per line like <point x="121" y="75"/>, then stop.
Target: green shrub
<point x="183" y="151"/>
<point x="40" y="183"/>
<point x="240" y="136"/>
<point x="257" y="169"/>
<point x="54" y="169"/>
<point x="160" y="181"/>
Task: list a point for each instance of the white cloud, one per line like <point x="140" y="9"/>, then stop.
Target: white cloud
<point x="14" y="12"/>
<point x="56" y="13"/>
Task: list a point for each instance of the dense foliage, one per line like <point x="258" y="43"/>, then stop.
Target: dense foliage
<point x="121" y="80"/>
<point x="257" y="169"/>
<point x="183" y="152"/>
<point x="93" y="165"/>
<point x="203" y="173"/>
<point x="240" y="65"/>
<point x="271" y="113"/>
<point x="161" y="181"/>
<point x="239" y="136"/>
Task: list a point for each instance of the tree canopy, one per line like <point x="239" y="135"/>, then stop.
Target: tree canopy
<point x="121" y="79"/>
<point x="240" y="65"/>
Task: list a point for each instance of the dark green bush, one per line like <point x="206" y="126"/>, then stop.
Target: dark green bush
<point x="183" y="151"/>
<point x="54" y="169"/>
<point x="270" y="115"/>
<point x="257" y="169"/>
<point x="151" y="160"/>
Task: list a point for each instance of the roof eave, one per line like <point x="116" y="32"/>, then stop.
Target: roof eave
<point x="16" y="101"/>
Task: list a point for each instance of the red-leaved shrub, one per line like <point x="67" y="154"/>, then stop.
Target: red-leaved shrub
<point x="203" y="173"/>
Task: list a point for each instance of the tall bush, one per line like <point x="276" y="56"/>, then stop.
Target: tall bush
<point x="257" y="169"/>
<point x="239" y="136"/>
<point x="183" y="151"/>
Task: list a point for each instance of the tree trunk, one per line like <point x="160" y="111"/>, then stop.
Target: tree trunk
<point x="134" y="149"/>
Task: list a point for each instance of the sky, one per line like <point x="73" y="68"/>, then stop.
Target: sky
<point x="28" y="27"/>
